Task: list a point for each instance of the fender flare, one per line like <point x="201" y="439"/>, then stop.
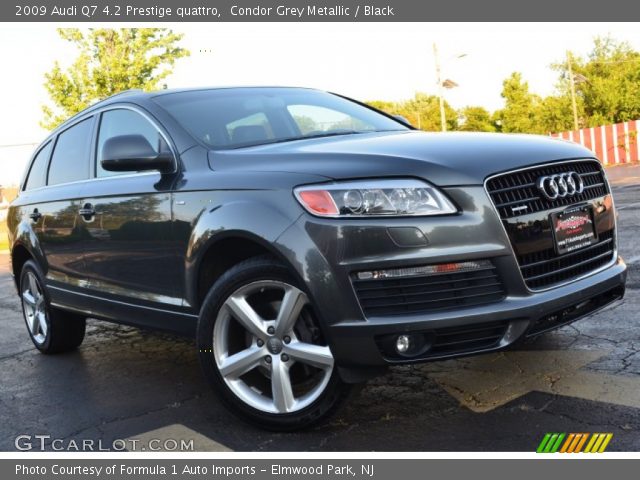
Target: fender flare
<point x="228" y="221"/>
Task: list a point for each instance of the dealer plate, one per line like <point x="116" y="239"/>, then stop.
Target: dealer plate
<point x="573" y="229"/>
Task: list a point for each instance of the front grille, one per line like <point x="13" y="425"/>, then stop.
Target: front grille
<point x="428" y="293"/>
<point x="519" y="188"/>
<point x="543" y="268"/>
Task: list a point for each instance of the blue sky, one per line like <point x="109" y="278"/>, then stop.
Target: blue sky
<point x="364" y="61"/>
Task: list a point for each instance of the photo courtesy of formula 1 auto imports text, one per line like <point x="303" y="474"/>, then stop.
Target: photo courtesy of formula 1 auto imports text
<point x="332" y="239"/>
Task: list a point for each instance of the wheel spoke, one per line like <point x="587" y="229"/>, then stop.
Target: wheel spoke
<point x="240" y="363"/>
<point x="33" y="286"/>
<point x="42" y="323"/>
<point x="30" y="317"/>
<point x="292" y="304"/>
<point x="315" y="355"/>
<point x="35" y="323"/>
<point x="27" y="297"/>
<point x="246" y="315"/>
<point x="281" y="389"/>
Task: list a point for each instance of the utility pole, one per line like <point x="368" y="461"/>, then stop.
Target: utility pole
<point x="443" y="119"/>
<point x="572" y="84"/>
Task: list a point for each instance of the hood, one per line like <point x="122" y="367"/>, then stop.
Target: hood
<point x="444" y="159"/>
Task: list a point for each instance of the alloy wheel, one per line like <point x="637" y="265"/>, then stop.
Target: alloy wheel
<point x="35" y="308"/>
<point x="268" y="349"/>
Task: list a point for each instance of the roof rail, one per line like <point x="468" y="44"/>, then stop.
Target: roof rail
<point x="132" y="91"/>
<point x="124" y="92"/>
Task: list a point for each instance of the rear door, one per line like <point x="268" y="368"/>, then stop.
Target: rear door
<point x="129" y="252"/>
<point x="51" y="201"/>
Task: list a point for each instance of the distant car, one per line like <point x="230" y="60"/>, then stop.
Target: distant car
<point x="306" y="240"/>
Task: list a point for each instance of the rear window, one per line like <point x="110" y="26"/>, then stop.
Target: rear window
<point x="70" y="160"/>
<point x="38" y="171"/>
<point x="240" y="117"/>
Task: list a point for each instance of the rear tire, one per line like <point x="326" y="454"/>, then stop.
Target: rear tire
<point x="51" y="330"/>
<point x="262" y="351"/>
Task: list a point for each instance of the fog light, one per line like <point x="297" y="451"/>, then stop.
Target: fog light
<point x="403" y="343"/>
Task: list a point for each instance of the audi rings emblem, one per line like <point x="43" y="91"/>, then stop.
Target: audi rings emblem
<point x="560" y="185"/>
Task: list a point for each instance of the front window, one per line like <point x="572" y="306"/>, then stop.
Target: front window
<point x="233" y="118"/>
<point x="123" y="122"/>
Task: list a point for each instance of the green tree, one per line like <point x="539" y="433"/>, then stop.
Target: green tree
<point x="109" y="61"/>
<point x="555" y="113"/>
<point x="422" y="111"/>
<point x="476" y="119"/>
<point x="521" y="110"/>
<point x="607" y="82"/>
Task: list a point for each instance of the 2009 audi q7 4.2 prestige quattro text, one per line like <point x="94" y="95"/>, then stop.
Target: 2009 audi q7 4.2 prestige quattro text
<point x="306" y="240"/>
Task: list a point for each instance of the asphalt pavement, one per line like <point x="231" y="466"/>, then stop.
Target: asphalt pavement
<point x="125" y="383"/>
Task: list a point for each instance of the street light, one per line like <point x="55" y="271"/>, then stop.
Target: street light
<point x="447" y="83"/>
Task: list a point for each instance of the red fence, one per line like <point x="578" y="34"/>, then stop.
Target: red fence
<point x="612" y="144"/>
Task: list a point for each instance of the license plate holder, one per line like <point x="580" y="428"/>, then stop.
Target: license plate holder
<point x="573" y="229"/>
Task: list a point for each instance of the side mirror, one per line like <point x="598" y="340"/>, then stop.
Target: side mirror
<point x="402" y="119"/>
<point x="134" y="153"/>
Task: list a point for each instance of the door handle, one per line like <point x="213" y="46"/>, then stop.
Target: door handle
<point x="87" y="212"/>
<point x="36" y="215"/>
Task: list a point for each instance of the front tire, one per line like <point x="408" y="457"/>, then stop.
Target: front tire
<point x="262" y="351"/>
<point x="51" y="330"/>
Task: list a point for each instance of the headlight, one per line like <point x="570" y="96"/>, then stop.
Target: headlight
<point x="371" y="198"/>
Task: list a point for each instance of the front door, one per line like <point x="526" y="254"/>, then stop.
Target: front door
<point x="127" y="217"/>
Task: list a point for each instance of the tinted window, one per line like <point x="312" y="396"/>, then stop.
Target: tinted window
<point x="249" y="127"/>
<point x="38" y="172"/>
<point x="231" y="118"/>
<point x="312" y="119"/>
<point x="123" y="122"/>
<point x="70" y="161"/>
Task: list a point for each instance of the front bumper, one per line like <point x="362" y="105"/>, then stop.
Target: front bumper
<point x="357" y="344"/>
<point x="326" y="253"/>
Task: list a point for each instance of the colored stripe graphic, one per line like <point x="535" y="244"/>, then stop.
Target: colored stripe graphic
<point x="574" y="442"/>
<point x="567" y="443"/>
<point x="599" y="442"/>
<point x="578" y="448"/>
<point x="604" y="445"/>
<point x="550" y="443"/>
<point x="590" y="444"/>
<point x="543" y="443"/>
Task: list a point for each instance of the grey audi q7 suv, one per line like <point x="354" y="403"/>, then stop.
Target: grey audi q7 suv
<point x="306" y="240"/>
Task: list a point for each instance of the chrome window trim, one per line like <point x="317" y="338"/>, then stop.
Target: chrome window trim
<point x="32" y="161"/>
<point x="54" y="138"/>
<point x="146" y="116"/>
<point x="515" y="257"/>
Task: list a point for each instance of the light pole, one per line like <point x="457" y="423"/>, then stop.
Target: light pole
<point x="446" y="84"/>
<point x="443" y="118"/>
<point x="572" y="84"/>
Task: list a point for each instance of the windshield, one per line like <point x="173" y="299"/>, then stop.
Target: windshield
<point x="233" y="118"/>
